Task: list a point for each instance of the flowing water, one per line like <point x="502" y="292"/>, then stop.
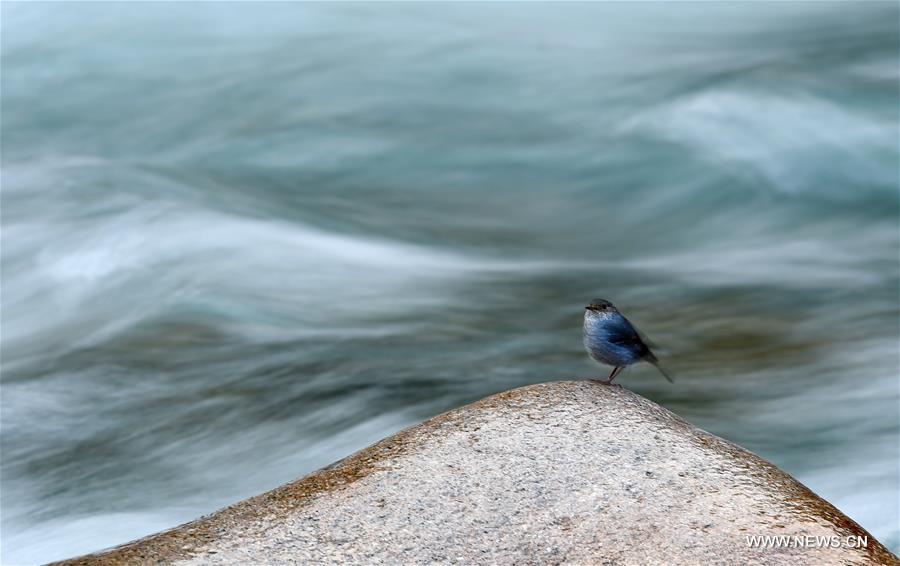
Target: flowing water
<point x="242" y="241"/>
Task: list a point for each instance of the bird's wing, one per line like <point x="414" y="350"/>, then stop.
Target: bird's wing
<point x="643" y="337"/>
<point x="623" y="333"/>
<point x="646" y="340"/>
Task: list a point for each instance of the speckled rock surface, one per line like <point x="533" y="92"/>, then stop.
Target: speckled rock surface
<point x="556" y="473"/>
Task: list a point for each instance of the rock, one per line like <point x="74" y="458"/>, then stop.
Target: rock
<point x="564" y="472"/>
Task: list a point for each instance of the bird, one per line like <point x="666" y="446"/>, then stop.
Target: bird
<point x="611" y="339"/>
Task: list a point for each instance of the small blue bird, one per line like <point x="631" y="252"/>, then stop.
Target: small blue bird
<point x="610" y="339"/>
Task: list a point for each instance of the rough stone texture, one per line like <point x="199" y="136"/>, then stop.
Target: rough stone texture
<point x="565" y="472"/>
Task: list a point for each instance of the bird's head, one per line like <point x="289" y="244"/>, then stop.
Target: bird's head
<point x="600" y="306"/>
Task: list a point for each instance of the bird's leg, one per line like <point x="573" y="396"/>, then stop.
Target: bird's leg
<point x="612" y="375"/>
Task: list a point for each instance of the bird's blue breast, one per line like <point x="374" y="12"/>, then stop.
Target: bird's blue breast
<point x="611" y="340"/>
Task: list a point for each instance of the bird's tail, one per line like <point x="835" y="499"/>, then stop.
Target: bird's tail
<point x="652" y="359"/>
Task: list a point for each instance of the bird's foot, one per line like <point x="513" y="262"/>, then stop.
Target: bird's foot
<point x="605" y="382"/>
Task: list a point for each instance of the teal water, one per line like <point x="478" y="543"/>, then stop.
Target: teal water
<point x="241" y="241"/>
